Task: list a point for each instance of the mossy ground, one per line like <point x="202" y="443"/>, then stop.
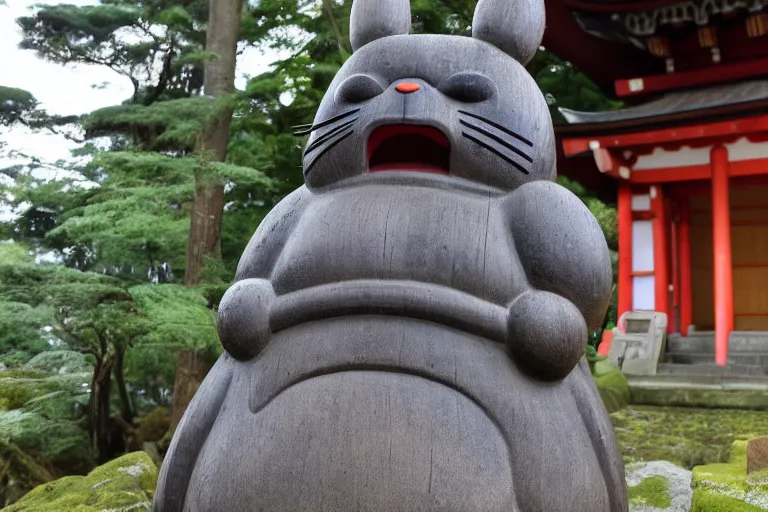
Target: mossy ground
<point x="725" y="487"/>
<point x="687" y="437"/>
<point x="652" y="491"/>
<point x="126" y="483"/>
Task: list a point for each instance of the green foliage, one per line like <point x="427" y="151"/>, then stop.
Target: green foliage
<point x="62" y="443"/>
<point x="14" y="253"/>
<point x="153" y="426"/>
<point x="21" y="330"/>
<point x="180" y="318"/>
<point x="95" y="34"/>
<point x="173" y="124"/>
<point x="60" y="361"/>
<point x="39" y="416"/>
<point x="565" y="86"/>
<point x="605" y="214"/>
<point x="14" y="104"/>
<point x="179" y="315"/>
<point x="32" y="284"/>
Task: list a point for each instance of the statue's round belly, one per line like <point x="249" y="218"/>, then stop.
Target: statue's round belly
<point x="355" y="441"/>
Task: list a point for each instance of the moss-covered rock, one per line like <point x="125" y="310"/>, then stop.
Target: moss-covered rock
<point x="725" y="487"/>
<point x="127" y="483"/>
<point x="18" y="387"/>
<point x="19" y="473"/>
<point x="652" y="491"/>
<point x="612" y="385"/>
<point x="658" y="486"/>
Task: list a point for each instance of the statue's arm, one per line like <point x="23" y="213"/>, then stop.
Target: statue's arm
<point x="243" y="319"/>
<point x="190" y="436"/>
<point x="561" y="247"/>
<point x="267" y="243"/>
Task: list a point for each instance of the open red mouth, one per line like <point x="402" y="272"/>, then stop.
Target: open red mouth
<point x="408" y="148"/>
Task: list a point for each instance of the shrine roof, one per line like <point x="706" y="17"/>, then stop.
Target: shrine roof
<point x="601" y="59"/>
<point x="723" y="101"/>
<point x="617" y="40"/>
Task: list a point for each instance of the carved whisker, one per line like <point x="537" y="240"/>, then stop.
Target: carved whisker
<point x="497" y="126"/>
<point x="327" y="148"/>
<point x="496" y="152"/>
<point x="498" y="139"/>
<point x="320" y="140"/>
<point x="331" y="120"/>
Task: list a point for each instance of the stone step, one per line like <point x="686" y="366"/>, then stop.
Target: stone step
<point x="706" y="381"/>
<point x="752" y="359"/>
<point x="704" y="343"/>
<point x="660" y="391"/>
<point x="711" y="370"/>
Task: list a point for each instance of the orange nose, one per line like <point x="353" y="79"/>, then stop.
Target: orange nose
<point x="407" y="88"/>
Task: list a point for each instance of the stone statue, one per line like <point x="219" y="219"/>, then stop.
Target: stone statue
<point x="407" y="331"/>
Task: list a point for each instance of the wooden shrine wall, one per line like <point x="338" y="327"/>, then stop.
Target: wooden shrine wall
<point x="749" y="242"/>
<point x="702" y="268"/>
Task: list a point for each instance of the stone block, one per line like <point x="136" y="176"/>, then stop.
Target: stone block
<point x="640" y="349"/>
<point x="757" y="455"/>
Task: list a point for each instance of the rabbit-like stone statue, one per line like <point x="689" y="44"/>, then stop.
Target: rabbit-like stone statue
<point x="407" y="331"/>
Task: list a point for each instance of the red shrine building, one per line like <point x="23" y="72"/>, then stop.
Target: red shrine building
<point x="687" y="157"/>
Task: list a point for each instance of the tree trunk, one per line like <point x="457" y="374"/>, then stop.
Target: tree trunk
<point x="219" y="80"/>
<point x="99" y="407"/>
<point x="126" y="410"/>
<point x="191" y="369"/>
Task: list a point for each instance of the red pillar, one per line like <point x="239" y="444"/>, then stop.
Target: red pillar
<point x="625" y="249"/>
<point x="660" y="252"/>
<point x="686" y="286"/>
<point x="721" y="234"/>
<point x="674" y="242"/>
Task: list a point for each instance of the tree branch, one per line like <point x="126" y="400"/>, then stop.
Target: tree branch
<point x="165" y="76"/>
<point x="328" y="8"/>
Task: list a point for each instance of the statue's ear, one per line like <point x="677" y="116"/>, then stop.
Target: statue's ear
<point x="514" y="26"/>
<point x="374" y="19"/>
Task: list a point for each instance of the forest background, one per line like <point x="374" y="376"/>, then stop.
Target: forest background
<point x="112" y="262"/>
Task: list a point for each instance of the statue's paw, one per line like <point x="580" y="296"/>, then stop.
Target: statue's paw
<point x="243" y="318"/>
<point x="546" y="334"/>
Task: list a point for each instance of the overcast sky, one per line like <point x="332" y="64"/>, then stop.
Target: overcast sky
<point x="69" y="89"/>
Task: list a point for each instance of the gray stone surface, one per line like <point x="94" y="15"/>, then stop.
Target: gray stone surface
<point x="679" y="480"/>
<point x="412" y="341"/>
<point x="639" y="350"/>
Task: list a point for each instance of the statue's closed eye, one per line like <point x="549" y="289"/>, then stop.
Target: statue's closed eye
<point x="358" y="88"/>
<point x="468" y="87"/>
